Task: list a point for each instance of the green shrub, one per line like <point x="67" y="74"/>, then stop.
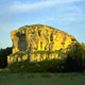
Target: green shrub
<point x="3" y="56"/>
<point x="44" y="66"/>
<point x="75" y="59"/>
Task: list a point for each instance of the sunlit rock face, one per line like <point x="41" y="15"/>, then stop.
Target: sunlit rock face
<point x="40" y="38"/>
<point x="35" y="38"/>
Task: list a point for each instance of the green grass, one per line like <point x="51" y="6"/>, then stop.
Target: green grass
<point x="42" y="79"/>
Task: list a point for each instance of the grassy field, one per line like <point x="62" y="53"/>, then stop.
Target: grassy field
<point x="42" y="79"/>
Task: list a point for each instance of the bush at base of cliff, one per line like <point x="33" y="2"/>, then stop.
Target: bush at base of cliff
<point x="3" y="56"/>
<point x="44" y="66"/>
<point x="75" y="60"/>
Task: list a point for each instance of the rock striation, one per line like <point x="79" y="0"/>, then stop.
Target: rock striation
<point x="35" y="42"/>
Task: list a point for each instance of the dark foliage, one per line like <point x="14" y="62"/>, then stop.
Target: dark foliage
<point x="3" y="56"/>
<point x="33" y="67"/>
<point x="75" y="61"/>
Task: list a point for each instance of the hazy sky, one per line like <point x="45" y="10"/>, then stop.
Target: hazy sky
<point x="67" y="15"/>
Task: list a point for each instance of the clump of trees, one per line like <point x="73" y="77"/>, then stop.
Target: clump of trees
<point x="3" y="56"/>
<point x="75" y="60"/>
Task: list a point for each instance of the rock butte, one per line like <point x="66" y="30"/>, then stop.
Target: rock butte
<point x="34" y="43"/>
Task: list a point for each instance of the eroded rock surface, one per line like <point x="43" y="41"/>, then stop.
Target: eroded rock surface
<point x="35" y="38"/>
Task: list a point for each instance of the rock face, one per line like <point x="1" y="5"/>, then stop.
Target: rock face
<point x="39" y="38"/>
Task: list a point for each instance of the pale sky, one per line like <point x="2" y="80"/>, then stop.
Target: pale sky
<point x="66" y="15"/>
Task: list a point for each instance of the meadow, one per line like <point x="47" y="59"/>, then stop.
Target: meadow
<point x="42" y="79"/>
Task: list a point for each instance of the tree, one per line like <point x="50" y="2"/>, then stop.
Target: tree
<point x="3" y="56"/>
<point x="75" y="59"/>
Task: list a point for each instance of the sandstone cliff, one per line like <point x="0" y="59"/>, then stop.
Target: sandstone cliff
<point x="39" y="38"/>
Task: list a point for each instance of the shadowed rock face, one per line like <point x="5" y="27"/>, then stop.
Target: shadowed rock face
<point x="35" y="38"/>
